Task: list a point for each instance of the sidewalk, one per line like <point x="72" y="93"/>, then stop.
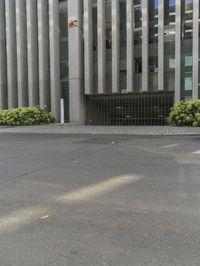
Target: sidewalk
<point x="105" y="130"/>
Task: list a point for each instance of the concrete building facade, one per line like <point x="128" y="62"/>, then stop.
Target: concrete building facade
<point x="113" y="61"/>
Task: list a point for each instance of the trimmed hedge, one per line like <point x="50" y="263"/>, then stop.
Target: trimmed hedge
<point x="25" y="116"/>
<point x="185" y="113"/>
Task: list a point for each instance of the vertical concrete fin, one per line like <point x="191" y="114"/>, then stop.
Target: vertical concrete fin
<point x="178" y="52"/>
<point x="3" y="73"/>
<point x="161" y="11"/>
<point x="145" y="45"/>
<point x="101" y="46"/>
<point x="195" y="92"/>
<point x="22" y="72"/>
<point x="130" y="45"/>
<point x="11" y="53"/>
<point x="54" y="58"/>
<point x="43" y="48"/>
<point x="75" y="46"/>
<point x="88" y="46"/>
<point x="115" y="47"/>
<point x="32" y="44"/>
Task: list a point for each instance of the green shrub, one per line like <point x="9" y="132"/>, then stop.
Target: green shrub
<point x="185" y="113"/>
<point x="25" y="116"/>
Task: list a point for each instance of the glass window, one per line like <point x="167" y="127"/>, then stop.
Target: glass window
<point x="172" y="63"/>
<point x="138" y="13"/>
<point x="186" y="49"/>
<point x="188" y="61"/>
<point x="138" y="44"/>
<point x="123" y="45"/>
<point x="108" y="15"/>
<point x="64" y="70"/>
<point x="95" y="55"/>
<point x="169" y="45"/>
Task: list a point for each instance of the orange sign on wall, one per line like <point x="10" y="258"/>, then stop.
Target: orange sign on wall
<point x="73" y="23"/>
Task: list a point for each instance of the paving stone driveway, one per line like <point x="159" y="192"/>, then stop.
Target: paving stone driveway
<point x="106" y="130"/>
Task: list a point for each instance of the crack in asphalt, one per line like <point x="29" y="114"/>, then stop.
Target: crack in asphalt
<point x="55" y="164"/>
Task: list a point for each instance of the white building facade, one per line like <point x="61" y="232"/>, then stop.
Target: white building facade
<point x="115" y="62"/>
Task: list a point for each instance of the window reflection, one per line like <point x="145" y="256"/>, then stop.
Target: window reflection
<point x="169" y="45"/>
<point x="186" y="48"/>
<point x="138" y="44"/>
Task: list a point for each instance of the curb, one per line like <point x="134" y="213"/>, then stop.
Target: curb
<point x="103" y="130"/>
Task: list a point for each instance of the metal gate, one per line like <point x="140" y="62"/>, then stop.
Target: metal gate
<point x="151" y="108"/>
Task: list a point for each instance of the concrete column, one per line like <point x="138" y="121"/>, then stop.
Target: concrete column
<point x="178" y="52"/>
<point x="11" y="53"/>
<point x="195" y="70"/>
<point x="161" y="11"/>
<point x="75" y="46"/>
<point x="3" y="73"/>
<point x="54" y="58"/>
<point x="22" y="71"/>
<point x="115" y="47"/>
<point x="130" y="45"/>
<point x="88" y="46"/>
<point x="101" y="21"/>
<point x="43" y="48"/>
<point x="32" y="44"/>
<point x="145" y="45"/>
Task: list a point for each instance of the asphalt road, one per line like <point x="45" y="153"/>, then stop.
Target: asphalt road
<point x="99" y="200"/>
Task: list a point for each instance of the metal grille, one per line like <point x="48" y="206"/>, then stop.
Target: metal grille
<point x="129" y="109"/>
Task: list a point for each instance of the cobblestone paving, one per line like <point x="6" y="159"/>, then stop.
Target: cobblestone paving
<point x="113" y="130"/>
